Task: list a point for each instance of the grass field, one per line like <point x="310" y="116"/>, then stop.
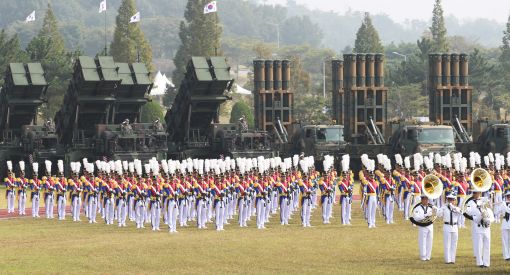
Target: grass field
<point x="50" y="246"/>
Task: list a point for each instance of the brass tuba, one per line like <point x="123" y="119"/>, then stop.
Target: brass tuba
<point x="432" y="188"/>
<point x="481" y="180"/>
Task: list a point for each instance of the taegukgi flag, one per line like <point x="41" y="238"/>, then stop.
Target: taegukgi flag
<point x="135" y="18"/>
<point x="210" y="7"/>
<point x="30" y="17"/>
<point x="102" y="6"/>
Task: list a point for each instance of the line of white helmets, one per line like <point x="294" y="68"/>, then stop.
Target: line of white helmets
<point x="187" y="166"/>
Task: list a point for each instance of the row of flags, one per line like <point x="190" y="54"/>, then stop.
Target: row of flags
<point x="209" y="8"/>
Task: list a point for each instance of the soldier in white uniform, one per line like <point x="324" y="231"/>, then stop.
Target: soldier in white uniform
<point x="422" y="211"/>
<point x="481" y="229"/>
<point x="451" y="215"/>
<point x="504" y="211"/>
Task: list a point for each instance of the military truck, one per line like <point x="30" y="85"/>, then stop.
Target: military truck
<point x="411" y="138"/>
<point x="193" y="121"/>
<point x="488" y="136"/>
<point x="21" y="96"/>
<point x="100" y="116"/>
<point x="319" y="141"/>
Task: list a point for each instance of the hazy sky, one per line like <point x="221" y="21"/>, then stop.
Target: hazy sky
<point x="400" y="10"/>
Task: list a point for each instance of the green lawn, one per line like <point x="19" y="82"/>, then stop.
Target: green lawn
<point x="49" y="246"/>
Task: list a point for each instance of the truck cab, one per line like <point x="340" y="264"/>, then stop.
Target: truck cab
<point x="495" y="138"/>
<point x="424" y="139"/>
<point x="320" y="140"/>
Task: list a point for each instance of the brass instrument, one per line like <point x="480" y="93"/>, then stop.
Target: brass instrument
<point x="481" y="180"/>
<point x="432" y="188"/>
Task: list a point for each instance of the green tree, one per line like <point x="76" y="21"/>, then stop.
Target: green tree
<point x="438" y="29"/>
<point x="10" y="51"/>
<point x="151" y="111"/>
<point x="48" y="48"/>
<point x="504" y="58"/>
<point x="301" y="30"/>
<point x="200" y="36"/>
<point x="239" y="109"/>
<point x="367" y="38"/>
<point x="129" y="42"/>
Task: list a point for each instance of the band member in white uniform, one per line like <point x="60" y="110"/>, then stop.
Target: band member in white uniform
<point x="481" y="229"/>
<point x="421" y="212"/>
<point x="451" y="215"/>
<point x="504" y="212"/>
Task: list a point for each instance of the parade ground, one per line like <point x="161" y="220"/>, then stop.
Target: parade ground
<point x="49" y="246"/>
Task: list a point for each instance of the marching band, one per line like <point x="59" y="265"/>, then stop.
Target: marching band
<point x="452" y="187"/>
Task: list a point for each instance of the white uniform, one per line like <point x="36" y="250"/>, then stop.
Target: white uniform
<point x="481" y="235"/>
<point x="504" y="212"/>
<point x="451" y="216"/>
<point x="425" y="233"/>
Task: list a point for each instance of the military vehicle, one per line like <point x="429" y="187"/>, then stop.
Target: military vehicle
<point x="193" y="121"/>
<point x="100" y="116"/>
<point x="319" y="141"/>
<point x="488" y="136"/>
<point x="21" y="138"/>
<point x="413" y="138"/>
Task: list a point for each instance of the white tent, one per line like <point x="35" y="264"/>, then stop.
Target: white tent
<point x="241" y="90"/>
<point x="161" y="84"/>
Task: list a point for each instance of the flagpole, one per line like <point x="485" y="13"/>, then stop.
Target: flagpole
<point x="105" y="36"/>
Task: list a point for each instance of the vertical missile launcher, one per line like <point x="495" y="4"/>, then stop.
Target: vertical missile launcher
<point x="193" y="121"/>
<point x="21" y="96"/>
<point x="100" y="96"/>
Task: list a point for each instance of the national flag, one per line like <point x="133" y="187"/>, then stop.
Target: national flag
<point x="210" y="7"/>
<point x="30" y="17"/>
<point x="135" y="18"/>
<point x="102" y="6"/>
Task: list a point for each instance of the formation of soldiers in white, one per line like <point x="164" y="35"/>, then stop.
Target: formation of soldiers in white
<point x="451" y="187"/>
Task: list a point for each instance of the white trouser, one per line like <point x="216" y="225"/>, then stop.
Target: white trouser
<point x="10" y="201"/>
<point x="389" y="209"/>
<point x="22" y="202"/>
<point x="131" y="208"/>
<point x="506" y="243"/>
<point x="407" y="206"/>
<point x="425" y="237"/>
<point x="498" y="197"/>
<point x="121" y="212"/>
<point x="147" y="216"/>
<point x="183" y="212"/>
<point x="155" y="214"/>
<point x="305" y="211"/>
<point x="284" y="209"/>
<point x="140" y="213"/>
<point x="267" y="209"/>
<point x="35" y="206"/>
<point x="346" y="210"/>
<point x="326" y="209"/>
<point x="109" y="211"/>
<point x="450" y="245"/>
<point x="219" y="214"/>
<point x="172" y="216"/>
<point x="240" y="208"/>
<point x="483" y="248"/>
<point x="260" y="213"/>
<point x="371" y="210"/>
<point x="92" y="204"/>
<point x="49" y="206"/>
<point x="61" y="206"/>
<point x="201" y="213"/>
<point x="75" y="206"/>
